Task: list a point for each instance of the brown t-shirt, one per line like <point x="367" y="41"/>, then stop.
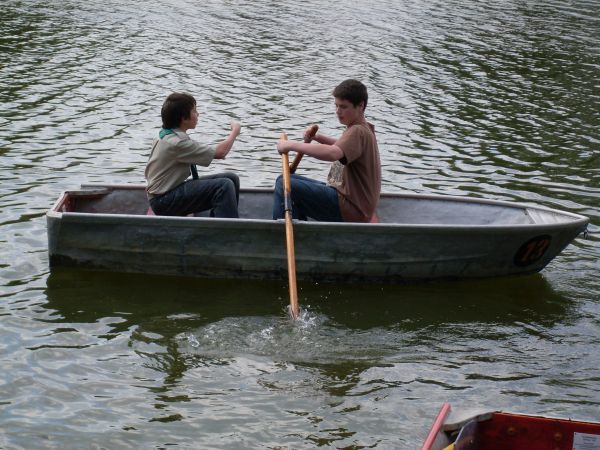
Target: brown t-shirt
<point x="357" y="176"/>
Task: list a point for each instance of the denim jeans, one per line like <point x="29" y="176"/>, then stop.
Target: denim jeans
<point x="218" y="193"/>
<point x="310" y="198"/>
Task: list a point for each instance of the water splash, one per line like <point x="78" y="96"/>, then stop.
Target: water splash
<point x="310" y="338"/>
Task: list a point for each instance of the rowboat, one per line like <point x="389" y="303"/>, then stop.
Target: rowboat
<point x="499" y="430"/>
<point x="418" y="237"/>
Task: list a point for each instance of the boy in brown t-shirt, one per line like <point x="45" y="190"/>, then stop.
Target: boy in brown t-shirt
<point x="354" y="182"/>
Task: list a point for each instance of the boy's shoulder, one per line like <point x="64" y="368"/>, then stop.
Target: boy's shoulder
<point x="361" y="129"/>
<point x="180" y="134"/>
<point x="174" y="137"/>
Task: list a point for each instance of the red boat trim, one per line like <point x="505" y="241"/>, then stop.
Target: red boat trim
<point x="437" y="426"/>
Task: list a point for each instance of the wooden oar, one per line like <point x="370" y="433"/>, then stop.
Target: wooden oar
<point x="311" y="132"/>
<point x="289" y="232"/>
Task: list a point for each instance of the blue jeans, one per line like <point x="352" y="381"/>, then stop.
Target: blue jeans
<point x="310" y="198"/>
<point x="218" y="193"/>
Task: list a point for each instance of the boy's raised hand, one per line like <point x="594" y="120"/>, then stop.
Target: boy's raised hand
<point x="236" y="128"/>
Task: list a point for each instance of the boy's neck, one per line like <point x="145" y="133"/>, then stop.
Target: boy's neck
<point x="359" y="121"/>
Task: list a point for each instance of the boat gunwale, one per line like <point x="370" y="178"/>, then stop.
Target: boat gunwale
<point x="576" y="219"/>
<point x="488" y="414"/>
<point x="233" y="223"/>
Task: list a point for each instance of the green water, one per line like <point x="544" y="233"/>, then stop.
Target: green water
<point x="497" y="100"/>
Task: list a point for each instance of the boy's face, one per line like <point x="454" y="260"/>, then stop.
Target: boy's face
<point x="191" y="122"/>
<point x="347" y="113"/>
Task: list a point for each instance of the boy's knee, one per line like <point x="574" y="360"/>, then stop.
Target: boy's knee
<point x="234" y="178"/>
<point x="224" y="187"/>
<point x="279" y="183"/>
<point x="228" y="184"/>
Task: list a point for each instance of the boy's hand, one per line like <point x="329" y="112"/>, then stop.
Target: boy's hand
<point x="235" y="128"/>
<point x="310" y="132"/>
<point x="284" y="146"/>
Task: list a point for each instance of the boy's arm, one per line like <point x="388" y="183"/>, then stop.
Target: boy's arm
<point x="324" y="152"/>
<point x="223" y="148"/>
<point x="322" y="139"/>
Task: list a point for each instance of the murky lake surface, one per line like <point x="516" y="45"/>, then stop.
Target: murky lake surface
<point x="485" y="99"/>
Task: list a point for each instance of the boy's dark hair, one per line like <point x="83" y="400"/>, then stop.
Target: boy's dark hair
<point x="353" y="91"/>
<point x="177" y="107"/>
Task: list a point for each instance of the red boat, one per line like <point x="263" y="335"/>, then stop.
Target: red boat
<point x="509" y="431"/>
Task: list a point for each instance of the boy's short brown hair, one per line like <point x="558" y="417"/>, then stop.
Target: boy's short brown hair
<point x="177" y="107"/>
<point x="353" y="91"/>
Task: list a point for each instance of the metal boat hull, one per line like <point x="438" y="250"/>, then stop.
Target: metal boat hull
<point x="107" y="228"/>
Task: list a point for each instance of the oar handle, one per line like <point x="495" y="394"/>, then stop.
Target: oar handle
<point x="289" y="232"/>
<point x="307" y="137"/>
<point x="287" y="184"/>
